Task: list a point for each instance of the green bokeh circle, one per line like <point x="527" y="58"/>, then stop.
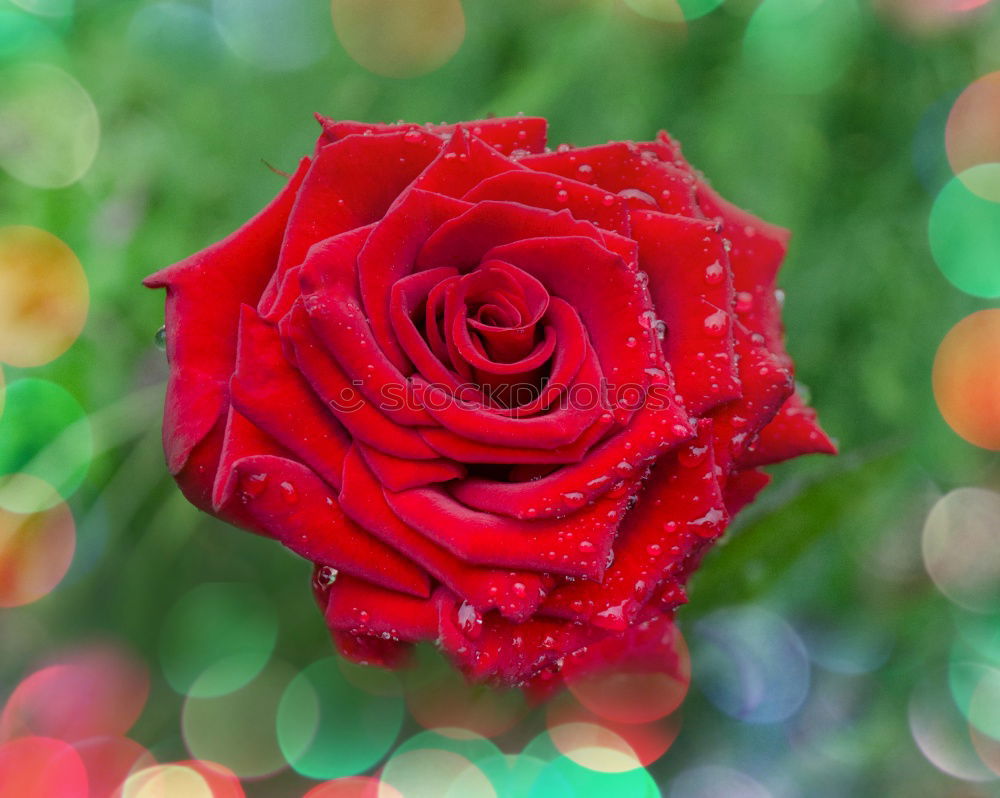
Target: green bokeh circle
<point x="964" y="233"/>
<point x="217" y="638"/>
<point x="801" y="46"/>
<point x="328" y="728"/>
<point x="562" y="776"/>
<point x="46" y="433"/>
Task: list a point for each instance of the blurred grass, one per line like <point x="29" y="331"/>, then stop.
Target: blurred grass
<point x="185" y="132"/>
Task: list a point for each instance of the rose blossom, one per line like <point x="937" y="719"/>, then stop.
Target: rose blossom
<point x="503" y="397"/>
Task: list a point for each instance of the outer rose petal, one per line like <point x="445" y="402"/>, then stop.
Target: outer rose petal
<point x="509" y="653"/>
<point x="204" y="295"/>
<point x="794" y="431"/>
<point x="628" y="170"/>
<point x="464" y="162"/>
<point x="362" y="608"/>
<point x="350" y="184"/>
<point x="506" y="134"/>
<point x="691" y="284"/>
<point x="680" y="509"/>
<point x="742" y="488"/>
<point x="299" y="509"/>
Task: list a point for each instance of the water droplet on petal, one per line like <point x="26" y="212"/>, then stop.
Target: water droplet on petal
<point x="717" y="323"/>
<point x="715" y="273"/>
<point x="636" y="194"/>
<point x="470" y="621"/>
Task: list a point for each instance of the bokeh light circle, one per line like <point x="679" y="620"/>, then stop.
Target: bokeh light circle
<point x="354" y="787"/>
<point x="109" y="761"/>
<point x="966" y="378"/>
<point x="328" y="728"/>
<point x="47" y="8"/>
<point x="984" y="704"/>
<point x="669" y="11"/>
<point x="45" y="434"/>
<point x="439" y="697"/>
<point x="715" y="781"/>
<point x="979" y="632"/>
<point x="930" y="16"/>
<point x="275" y="35"/>
<point x="220" y="779"/>
<point x="36" y="550"/>
<point x="648" y="741"/>
<point x="964" y="231"/>
<point x="561" y="775"/>
<point x="181" y="34"/>
<point x="41" y="767"/>
<point x="237" y="730"/>
<point x="399" y="38"/>
<point x="801" y="46"/>
<point x="972" y="135"/>
<point x="961" y="547"/>
<point x="96" y="691"/>
<point x="941" y="733"/>
<point x="751" y="664"/>
<point x="23" y="36"/>
<point x="166" y="781"/>
<point x="219" y="636"/>
<point x="460" y="756"/>
<point x="433" y="773"/>
<point x="987" y="748"/>
<point x="626" y="694"/>
<point x="43" y="296"/>
<point x="594" y="747"/>
<point x="49" y="129"/>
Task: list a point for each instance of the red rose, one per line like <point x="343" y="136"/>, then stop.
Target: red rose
<point x="502" y="397"/>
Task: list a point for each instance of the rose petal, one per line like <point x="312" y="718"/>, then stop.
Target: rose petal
<point x="484" y="588"/>
<point x="742" y="488"/>
<point x="361" y="608"/>
<point x="330" y="297"/>
<point x="389" y="255"/>
<point x="398" y="474"/>
<point x="679" y="510"/>
<point x="464" y="162"/>
<point x="297" y="508"/>
<point x="457" y="447"/>
<point x="362" y="420"/>
<point x="634" y="172"/>
<point x="505" y="134"/>
<point x="659" y="426"/>
<point x="793" y="432"/>
<point x="577" y="545"/>
<point x="616" y="317"/>
<point x="690" y="280"/>
<point x="462" y="242"/>
<point x="204" y="295"/>
<point x="543" y="190"/>
<point x="766" y="385"/>
<point x="506" y="652"/>
<point x="274" y="396"/>
<point x="561" y="426"/>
